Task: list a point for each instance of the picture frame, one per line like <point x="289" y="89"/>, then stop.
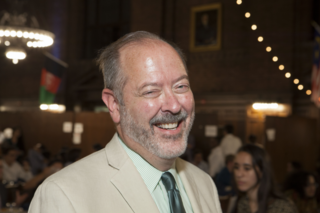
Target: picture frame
<point x="205" y="30"/>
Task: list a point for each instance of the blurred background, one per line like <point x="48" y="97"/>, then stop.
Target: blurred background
<point x="251" y="63"/>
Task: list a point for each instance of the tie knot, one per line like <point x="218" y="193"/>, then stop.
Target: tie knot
<point x="168" y="181"/>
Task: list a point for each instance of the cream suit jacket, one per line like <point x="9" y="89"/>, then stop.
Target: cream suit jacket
<point x="108" y="181"/>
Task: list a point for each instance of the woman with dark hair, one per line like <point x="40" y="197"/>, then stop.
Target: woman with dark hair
<point x="301" y="188"/>
<point x="255" y="184"/>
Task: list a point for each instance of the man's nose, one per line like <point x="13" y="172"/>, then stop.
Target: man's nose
<point x="171" y="103"/>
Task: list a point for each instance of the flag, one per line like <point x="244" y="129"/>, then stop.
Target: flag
<point x="51" y="76"/>
<point x="315" y="79"/>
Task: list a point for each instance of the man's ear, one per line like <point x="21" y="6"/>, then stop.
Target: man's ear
<point x="111" y="102"/>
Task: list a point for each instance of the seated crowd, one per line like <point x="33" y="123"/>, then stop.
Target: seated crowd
<point x="22" y="172"/>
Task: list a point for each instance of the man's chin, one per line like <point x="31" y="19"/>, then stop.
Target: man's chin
<point x="170" y="150"/>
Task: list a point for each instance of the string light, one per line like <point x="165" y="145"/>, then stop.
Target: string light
<point x="275" y="58"/>
<point x="239" y="2"/>
<point x="281" y="67"/>
<point x="308" y="92"/>
<point x="269" y="49"/>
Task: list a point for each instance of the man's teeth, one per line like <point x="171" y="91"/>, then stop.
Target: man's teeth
<point x="168" y="126"/>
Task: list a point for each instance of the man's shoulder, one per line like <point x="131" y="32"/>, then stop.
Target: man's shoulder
<point x="192" y="169"/>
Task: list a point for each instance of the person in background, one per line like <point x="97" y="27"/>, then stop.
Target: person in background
<point x="72" y="156"/>
<point x="301" y="188"/>
<point x="36" y="158"/>
<point x="2" y="136"/>
<point x="96" y="147"/>
<point x="293" y="167"/>
<point x="12" y="170"/>
<point x="230" y="143"/>
<point x="224" y="178"/>
<point x="199" y="162"/>
<point x="255" y="185"/>
<point x="215" y="159"/>
<point x="17" y="140"/>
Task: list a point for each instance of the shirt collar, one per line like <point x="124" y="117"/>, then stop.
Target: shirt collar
<point x="149" y="174"/>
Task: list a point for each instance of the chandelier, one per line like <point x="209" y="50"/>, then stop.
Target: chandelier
<point x="20" y="32"/>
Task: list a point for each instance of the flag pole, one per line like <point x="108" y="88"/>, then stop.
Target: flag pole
<point x="62" y="63"/>
<point x="316" y="26"/>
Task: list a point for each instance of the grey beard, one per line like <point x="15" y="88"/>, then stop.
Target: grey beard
<point x="147" y="138"/>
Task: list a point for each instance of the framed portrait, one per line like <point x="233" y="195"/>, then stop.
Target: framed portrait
<point x="205" y="34"/>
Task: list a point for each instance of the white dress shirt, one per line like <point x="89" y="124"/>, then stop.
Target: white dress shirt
<point x="216" y="161"/>
<point x="14" y="172"/>
<point x="230" y="145"/>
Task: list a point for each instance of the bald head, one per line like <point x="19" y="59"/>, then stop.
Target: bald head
<point x="110" y="63"/>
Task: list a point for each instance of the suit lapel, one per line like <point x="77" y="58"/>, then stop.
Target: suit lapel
<point x="128" y="180"/>
<point x="189" y="185"/>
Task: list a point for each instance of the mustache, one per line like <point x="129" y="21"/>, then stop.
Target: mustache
<point x="168" y="118"/>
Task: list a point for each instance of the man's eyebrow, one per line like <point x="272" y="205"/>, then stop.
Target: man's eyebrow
<point x="156" y="84"/>
<point x="147" y="84"/>
<point x="182" y="77"/>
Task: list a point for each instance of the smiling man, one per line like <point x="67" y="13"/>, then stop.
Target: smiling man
<point x="148" y="94"/>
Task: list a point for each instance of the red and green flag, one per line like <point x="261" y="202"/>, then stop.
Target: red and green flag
<point x="51" y="76"/>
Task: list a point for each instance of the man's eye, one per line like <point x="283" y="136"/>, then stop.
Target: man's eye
<point x="182" y="88"/>
<point x="151" y="93"/>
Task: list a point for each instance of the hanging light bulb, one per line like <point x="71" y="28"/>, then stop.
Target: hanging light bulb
<point x="281" y="67"/>
<point x="275" y="58"/>
<point x="15" y="54"/>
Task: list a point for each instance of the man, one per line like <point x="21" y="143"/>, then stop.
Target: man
<point x="150" y="101"/>
<point x="230" y="143"/>
<point x="12" y="170"/>
<point x="224" y="178"/>
<point x="215" y="159"/>
<point x="199" y="162"/>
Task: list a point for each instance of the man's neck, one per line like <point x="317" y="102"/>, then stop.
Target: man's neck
<point x="157" y="162"/>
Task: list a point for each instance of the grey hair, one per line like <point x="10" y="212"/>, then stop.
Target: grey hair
<point x="109" y="60"/>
